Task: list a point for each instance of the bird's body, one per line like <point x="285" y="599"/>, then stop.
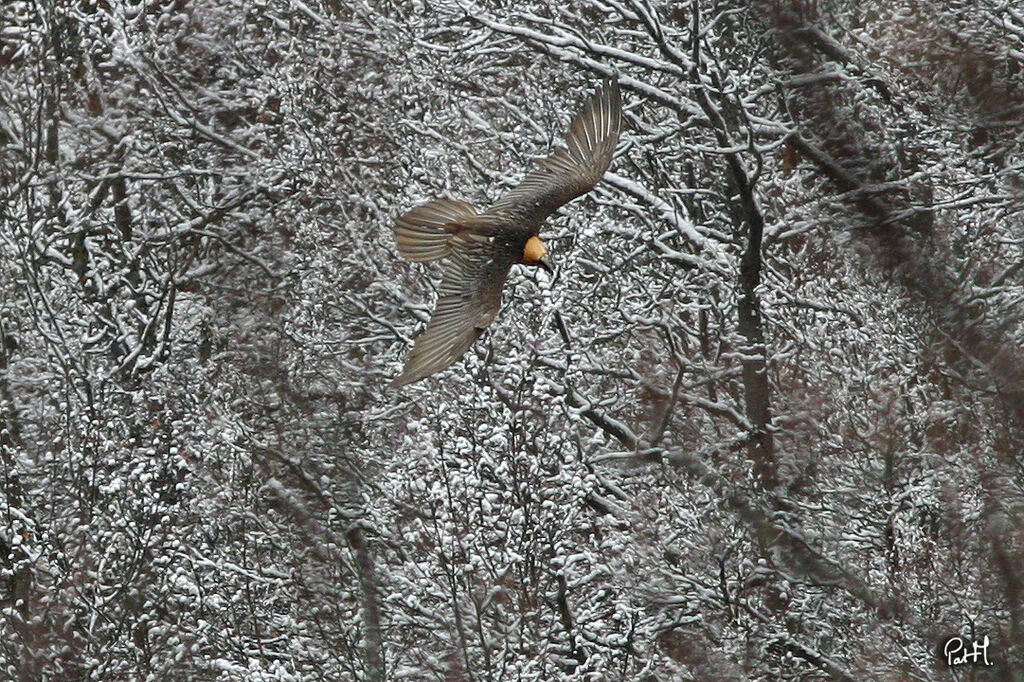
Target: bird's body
<point x="481" y="248"/>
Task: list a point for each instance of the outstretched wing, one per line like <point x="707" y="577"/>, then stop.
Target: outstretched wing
<point x="576" y="168"/>
<point x="467" y="302"/>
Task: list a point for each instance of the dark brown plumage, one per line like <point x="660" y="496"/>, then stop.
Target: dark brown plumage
<point x="482" y="247"/>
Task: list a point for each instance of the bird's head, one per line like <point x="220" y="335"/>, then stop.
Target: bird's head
<point x="535" y="253"/>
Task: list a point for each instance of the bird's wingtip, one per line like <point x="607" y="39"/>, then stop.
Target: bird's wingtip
<point x="406" y="378"/>
<point x="399" y="381"/>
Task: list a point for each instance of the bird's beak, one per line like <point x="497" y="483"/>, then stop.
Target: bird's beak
<point x="546" y="264"/>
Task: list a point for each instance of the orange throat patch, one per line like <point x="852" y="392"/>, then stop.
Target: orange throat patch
<point x="533" y="251"/>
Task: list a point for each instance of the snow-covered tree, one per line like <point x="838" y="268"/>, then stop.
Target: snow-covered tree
<point x="764" y="422"/>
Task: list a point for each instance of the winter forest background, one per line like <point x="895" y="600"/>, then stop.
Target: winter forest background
<point x="766" y="422"/>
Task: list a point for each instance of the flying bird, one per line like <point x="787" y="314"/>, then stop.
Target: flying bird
<point x="481" y="247"/>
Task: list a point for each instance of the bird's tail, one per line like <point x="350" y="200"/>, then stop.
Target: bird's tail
<point x="423" y="233"/>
